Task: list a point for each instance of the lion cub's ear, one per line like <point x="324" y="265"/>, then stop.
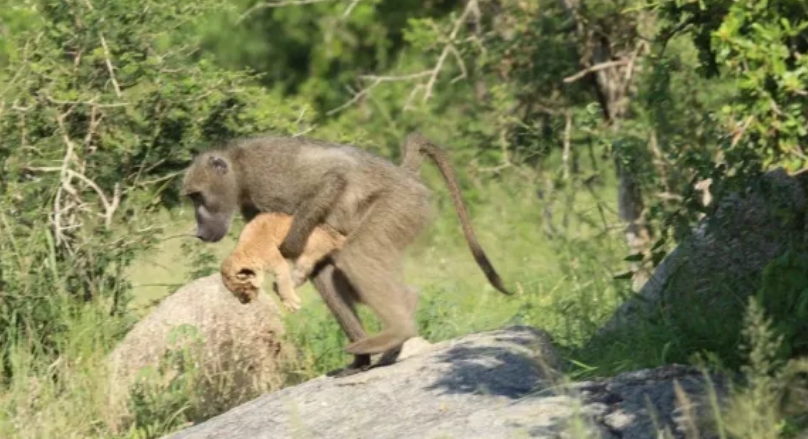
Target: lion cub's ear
<point x="245" y="274"/>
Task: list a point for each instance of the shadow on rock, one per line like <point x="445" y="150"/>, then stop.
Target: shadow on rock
<point x="487" y="370"/>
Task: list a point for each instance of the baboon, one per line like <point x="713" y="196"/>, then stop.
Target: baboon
<point x="379" y="207"/>
<point x="257" y="251"/>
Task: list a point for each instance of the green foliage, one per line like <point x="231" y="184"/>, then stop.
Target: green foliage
<point x="765" y="405"/>
<point x="160" y="407"/>
<point x="99" y="110"/>
<point x="201" y="261"/>
<point x="177" y="391"/>
<point x="688" y="330"/>
<point x="758" y="47"/>
<point x="314" y="49"/>
<point x="784" y="297"/>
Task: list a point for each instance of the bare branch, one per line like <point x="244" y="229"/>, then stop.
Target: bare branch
<point x="109" y="205"/>
<point x="595" y="68"/>
<point x="463" y="72"/>
<point x="356" y="97"/>
<point x="411" y="97"/>
<point x="565" y="156"/>
<point x="471" y="6"/>
<point x="95" y="120"/>
<point x="396" y="78"/>
<point x="472" y="9"/>
<point x="107" y="56"/>
<point x="110" y="68"/>
<point x="641" y="46"/>
<point x="668" y="196"/>
<point x="65" y="184"/>
<point x="90" y="102"/>
<point x="19" y="71"/>
<point x="297" y="122"/>
<point x="278" y="4"/>
<point x="160" y="179"/>
<point x="350" y="8"/>
<point x="738" y="133"/>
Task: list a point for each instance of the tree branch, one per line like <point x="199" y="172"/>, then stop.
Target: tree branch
<point x="356" y="97"/>
<point x="281" y="4"/>
<point x="472" y="8"/>
<point x="595" y="68"/>
<point x="110" y="206"/>
<point x="567" y="151"/>
<point x="110" y="68"/>
<point x="350" y="8"/>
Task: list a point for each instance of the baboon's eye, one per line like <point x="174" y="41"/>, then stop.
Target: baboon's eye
<point x="196" y="197"/>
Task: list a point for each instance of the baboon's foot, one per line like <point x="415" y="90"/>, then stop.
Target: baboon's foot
<point x="389" y="357"/>
<point x="385" y="341"/>
<point x="360" y="364"/>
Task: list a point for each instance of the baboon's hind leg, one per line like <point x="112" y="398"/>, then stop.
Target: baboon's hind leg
<point x="391" y="356"/>
<point x="387" y="299"/>
<point x="339" y="296"/>
<point x="371" y="259"/>
<point x="374" y="272"/>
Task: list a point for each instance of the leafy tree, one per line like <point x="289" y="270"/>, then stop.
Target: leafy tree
<point x="759" y="47"/>
<point x="101" y="107"/>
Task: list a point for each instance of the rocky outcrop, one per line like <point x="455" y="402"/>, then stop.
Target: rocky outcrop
<point x="233" y="347"/>
<point x="497" y="384"/>
<point x="719" y="265"/>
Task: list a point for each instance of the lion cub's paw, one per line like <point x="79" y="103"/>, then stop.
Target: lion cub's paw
<point x="292" y="304"/>
<point x="290" y="300"/>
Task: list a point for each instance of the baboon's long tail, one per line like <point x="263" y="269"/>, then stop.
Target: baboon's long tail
<point x="436" y="154"/>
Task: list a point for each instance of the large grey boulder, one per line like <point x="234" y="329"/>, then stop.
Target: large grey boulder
<point x="497" y="384"/>
<point x="720" y="264"/>
<point x="234" y="351"/>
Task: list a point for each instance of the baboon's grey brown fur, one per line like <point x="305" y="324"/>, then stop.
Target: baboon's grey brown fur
<point x="257" y="251"/>
<point x="381" y="208"/>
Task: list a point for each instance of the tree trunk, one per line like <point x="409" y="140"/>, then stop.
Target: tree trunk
<point x="612" y="86"/>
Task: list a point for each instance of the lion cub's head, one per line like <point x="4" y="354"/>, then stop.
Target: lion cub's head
<point x="243" y="276"/>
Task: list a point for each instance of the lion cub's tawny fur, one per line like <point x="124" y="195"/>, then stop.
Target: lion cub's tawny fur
<point x="257" y="251"/>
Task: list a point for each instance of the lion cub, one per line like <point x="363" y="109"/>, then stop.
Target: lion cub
<point x="257" y="251"/>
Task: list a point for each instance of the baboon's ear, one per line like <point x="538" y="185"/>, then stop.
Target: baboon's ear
<point x="218" y="164"/>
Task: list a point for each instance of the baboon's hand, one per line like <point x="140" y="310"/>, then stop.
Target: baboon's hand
<point x="292" y="246"/>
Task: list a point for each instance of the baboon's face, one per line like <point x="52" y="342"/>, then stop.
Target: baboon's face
<point x="211" y="186"/>
<point x="212" y="224"/>
<point x="245" y="284"/>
